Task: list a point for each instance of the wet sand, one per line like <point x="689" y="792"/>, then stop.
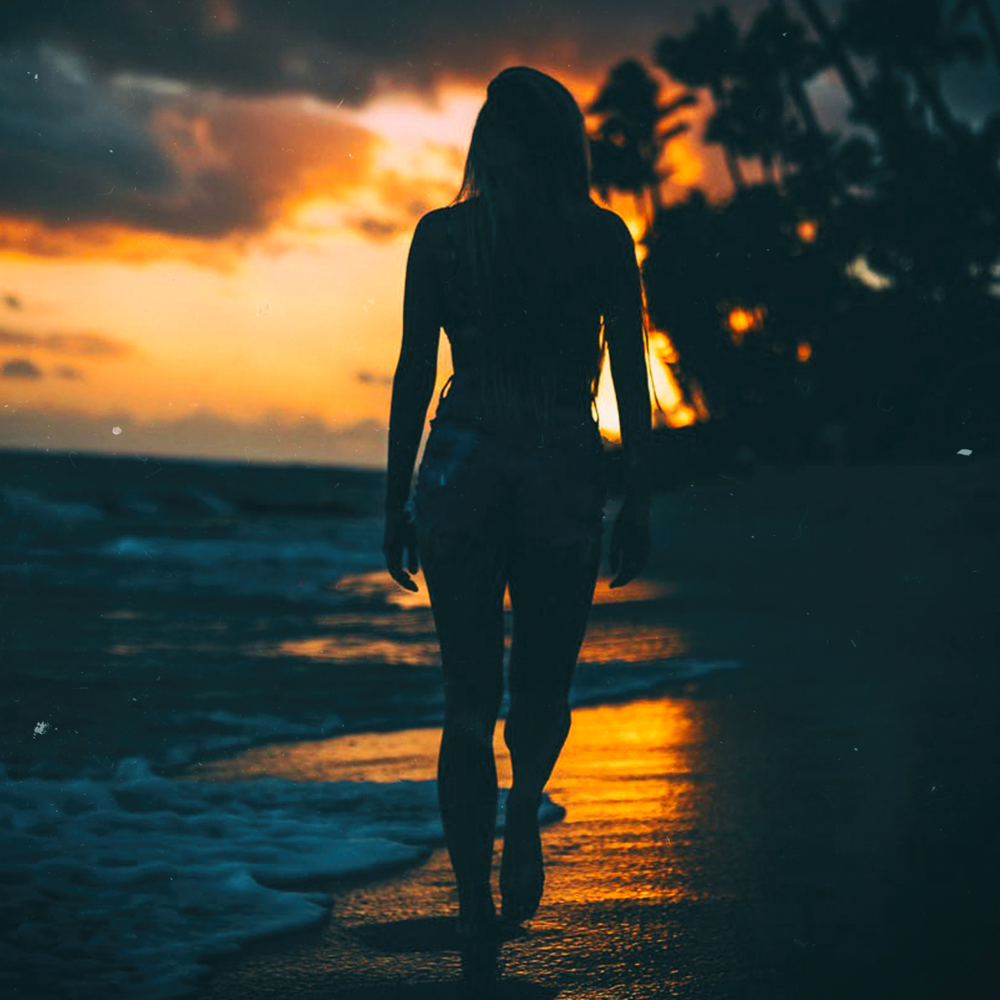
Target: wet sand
<point x="820" y="823"/>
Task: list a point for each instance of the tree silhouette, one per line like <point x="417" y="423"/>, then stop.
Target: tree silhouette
<point x="857" y="282"/>
<point x="836" y="50"/>
<point x="761" y="109"/>
<point x="906" y="38"/>
<point x="776" y="41"/>
<point x="982" y="8"/>
<point x="912" y="36"/>
<point x="708" y="56"/>
<point x="778" y="59"/>
<point x="629" y="143"/>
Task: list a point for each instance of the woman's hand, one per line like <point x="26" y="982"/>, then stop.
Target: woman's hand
<point x="400" y="537"/>
<point x="630" y="542"/>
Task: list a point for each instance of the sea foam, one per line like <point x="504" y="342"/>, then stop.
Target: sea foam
<point x="128" y="887"/>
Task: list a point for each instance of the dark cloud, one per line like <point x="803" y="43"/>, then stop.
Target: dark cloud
<point x="379" y="229"/>
<point x="68" y="372"/>
<point x="345" y="52"/>
<point x="373" y="378"/>
<point x="256" y="47"/>
<point x="20" y="368"/>
<point x="163" y="85"/>
<point x="65" y="146"/>
<point x="12" y="301"/>
<point x="76" y="149"/>
<point x="79" y="344"/>
<point x="342" y="51"/>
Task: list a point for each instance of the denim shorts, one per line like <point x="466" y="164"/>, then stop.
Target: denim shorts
<point x="509" y="483"/>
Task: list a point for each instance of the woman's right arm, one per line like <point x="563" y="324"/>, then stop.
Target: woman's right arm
<point x="624" y="332"/>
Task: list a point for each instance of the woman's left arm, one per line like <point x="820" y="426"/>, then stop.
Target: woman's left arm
<point x="416" y="370"/>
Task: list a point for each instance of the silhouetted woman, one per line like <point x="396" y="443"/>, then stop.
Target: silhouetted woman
<point x="520" y="270"/>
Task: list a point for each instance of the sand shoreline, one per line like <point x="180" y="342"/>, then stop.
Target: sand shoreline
<point x="768" y="845"/>
<point x="816" y="823"/>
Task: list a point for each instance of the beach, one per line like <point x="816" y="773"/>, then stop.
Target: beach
<point x="779" y="781"/>
<point x="814" y="825"/>
<point x="743" y="258"/>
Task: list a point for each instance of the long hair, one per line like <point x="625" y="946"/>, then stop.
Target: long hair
<point x="531" y="243"/>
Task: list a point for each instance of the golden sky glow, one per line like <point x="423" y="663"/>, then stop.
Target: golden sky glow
<point x="288" y="305"/>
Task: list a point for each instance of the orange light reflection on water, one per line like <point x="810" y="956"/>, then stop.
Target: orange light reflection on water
<point x="355" y="649"/>
<point x="605" y="643"/>
<point x="380" y="585"/>
<point x="609" y="642"/>
<point x="633" y="769"/>
<point x="402" y="633"/>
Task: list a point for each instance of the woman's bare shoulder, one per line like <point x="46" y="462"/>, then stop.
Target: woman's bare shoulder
<point x="432" y="221"/>
<point x="596" y="222"/>
<point x="429" y="234"/>
<point x="432" y="224"/>
<point x="614" y="225"/>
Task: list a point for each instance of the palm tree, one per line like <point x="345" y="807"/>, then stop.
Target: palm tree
<point x="989" y="22"/>
<point x="906" y="198"/>
<point x="912" y="36"/>
<point x="837" y="52"/>
<point x="709" y="56"/>
<point x="629" y="143"/>
<point x="755" y="82"/>
<point x="778" y="42"/>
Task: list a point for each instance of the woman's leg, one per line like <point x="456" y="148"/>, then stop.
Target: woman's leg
<point x="466" y="585"/>
<point x="551" y="592"/>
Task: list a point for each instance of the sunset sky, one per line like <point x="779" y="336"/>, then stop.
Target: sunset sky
<point x="206" y="205"/>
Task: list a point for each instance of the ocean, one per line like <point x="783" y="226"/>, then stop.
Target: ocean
<point x="158" y="615"/>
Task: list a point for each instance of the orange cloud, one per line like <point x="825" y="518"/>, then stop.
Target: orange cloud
<point x="26" y="238"/>
<point x="239" y="168"/>
<point x="276" y="172"/>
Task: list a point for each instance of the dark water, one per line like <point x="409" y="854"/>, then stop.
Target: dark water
<point x="170" y="609"/>
<point x="158" y="614"/>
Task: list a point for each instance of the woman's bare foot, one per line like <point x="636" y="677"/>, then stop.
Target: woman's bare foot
<point x="522" y="871"/>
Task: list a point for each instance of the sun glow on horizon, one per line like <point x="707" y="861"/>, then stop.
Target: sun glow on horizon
<point x="288" y="297"/>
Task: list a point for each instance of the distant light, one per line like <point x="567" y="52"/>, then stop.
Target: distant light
<point x="859" y="269"/>
<point x="683" y="416"/>
<point x="807" y="230"/>
<point x="741" y="321"/>
<point x="805" y="351"/>
<point x="965" y="451"/>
